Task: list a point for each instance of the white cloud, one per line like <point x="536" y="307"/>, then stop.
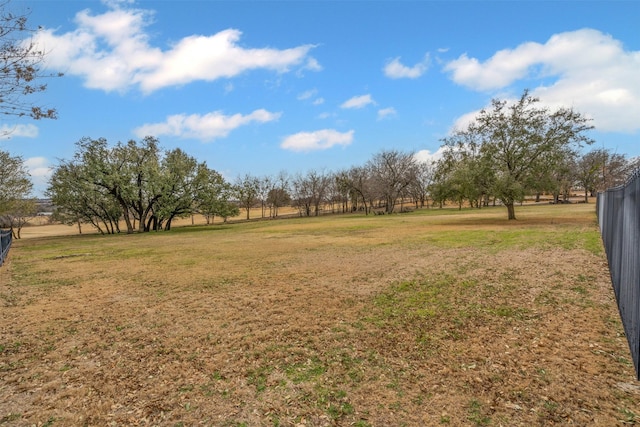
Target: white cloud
<point x="463" y="122"/>
<point x="318" y="140"/>
<point x="309" y="94"/>
<point x="111" y="52"/>
<point x="589" y="71"/>
<point x="358" y="102"/>
<point x="386" y="112"/>
<point x="203" y="127"/>
<point x="25" y="131"/>
<point x="312" y="64"/>
<point x="426" y="156"/>
<point x="38" y="166"/>
<point x="40" y="171"/>
<point x="396" y="70"/>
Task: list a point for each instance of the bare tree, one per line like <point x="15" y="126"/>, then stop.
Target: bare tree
<point x="21" y="73"/>
<point x="310" y="191"/>
<point x="357" y="183"/>
<point x="418" y="189"/>
<point x="279" y="194"/>
<point x="392" y="172"/>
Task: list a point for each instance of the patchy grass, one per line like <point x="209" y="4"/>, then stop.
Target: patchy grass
<point x="434" y="317"/>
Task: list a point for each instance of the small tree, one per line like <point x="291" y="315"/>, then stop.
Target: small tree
<point x="214" y="198"/>
<point x="419" y="187"/>
<point x="278" y="195"/>
<point x="392" y="172"/>
<point x="246" y="191"/>
<point x="22" y="211"/>
<point x="356" y="182"/>
<point x="15" y="190"/>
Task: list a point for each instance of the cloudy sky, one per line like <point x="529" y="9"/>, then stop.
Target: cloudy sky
<point x="263" y="86"/>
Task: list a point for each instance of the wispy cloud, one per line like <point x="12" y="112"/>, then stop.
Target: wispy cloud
<point x="317" y="140"/>
<point x="205" y="127"/>
<point x="18" y="131"/>
<point x="112" y="52"/>
<point x="386" y="112"/>
<point x="394" y="69"/>
<point x="307" y="94"/>
<point x="588" y="70"/>
<point x="358" y="102"/>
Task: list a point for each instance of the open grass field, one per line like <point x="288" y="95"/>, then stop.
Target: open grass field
<point x="430" y="318"/>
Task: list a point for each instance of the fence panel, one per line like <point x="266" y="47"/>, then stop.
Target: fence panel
<point x="619" y="220"/>
<point x="5" y="244"/>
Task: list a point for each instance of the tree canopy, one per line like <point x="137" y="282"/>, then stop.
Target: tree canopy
<point x="16" y="202"/>
<point x="515" y="145"/>
<point x="136" y="181"/>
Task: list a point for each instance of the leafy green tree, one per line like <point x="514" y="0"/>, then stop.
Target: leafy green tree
<point x="78" y="200"/>
<point x="21" y="212"/>
<point x="128" y="172"/>
<point x="215" y="198"/>
<point x="178" y="182"/>
<point x="136" y="181"/>
<point x="247" y="188"/>
<point x="15" y="189"/>
<point x="517" y="139"/>
<point x="135" y="178"/>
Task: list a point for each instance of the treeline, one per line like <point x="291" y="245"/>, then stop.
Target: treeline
<point x="509" y="151"/>
<point x="147" y="188"/>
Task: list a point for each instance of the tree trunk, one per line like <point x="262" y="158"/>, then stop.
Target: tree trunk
<point x="511" y="210"/>
<point x="586" y="196"/>
<point x="127" y="219"/>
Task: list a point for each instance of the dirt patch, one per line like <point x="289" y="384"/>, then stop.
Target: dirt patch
<point x="343" y="321"/>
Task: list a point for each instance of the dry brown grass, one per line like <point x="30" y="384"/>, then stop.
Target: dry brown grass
<point x="428" y="318"/>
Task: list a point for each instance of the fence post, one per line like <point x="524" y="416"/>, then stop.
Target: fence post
<point x="5" y="244"/>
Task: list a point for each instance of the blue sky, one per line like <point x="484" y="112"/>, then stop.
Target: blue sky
<point x="263" y="86"/>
